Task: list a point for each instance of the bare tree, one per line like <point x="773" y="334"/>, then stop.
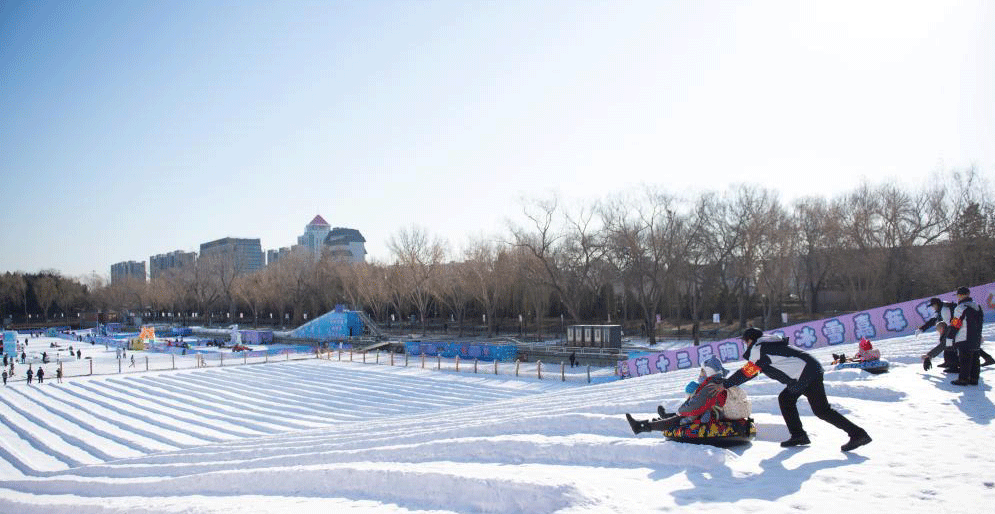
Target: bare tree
<point x="450" y="289"/>
<point x="200" y="285"/>
<point x="568" y="249"/>
<point x="251" y="288"/>
<point x="46" y="290"/>
<point x="419" y="258"/>
<point x="818" y="229"/>
<point x="294" y="274"/>
<point x="487" y="275"/>
<point x="647" y="242"/>
<point x="13" y="288"/>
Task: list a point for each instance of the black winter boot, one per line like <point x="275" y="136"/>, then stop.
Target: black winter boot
<point x="856" y="442"/>
<point x="637" y="426"/>
<point x="796" y="440"/>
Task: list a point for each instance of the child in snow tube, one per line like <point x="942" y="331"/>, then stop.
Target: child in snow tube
<point x="702" y="419"/>
<point x="867" y="359"/>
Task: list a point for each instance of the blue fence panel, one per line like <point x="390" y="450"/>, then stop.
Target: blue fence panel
<point x="479" y="351"/>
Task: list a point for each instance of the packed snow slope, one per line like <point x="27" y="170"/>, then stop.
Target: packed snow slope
<point x="328" y="436"/>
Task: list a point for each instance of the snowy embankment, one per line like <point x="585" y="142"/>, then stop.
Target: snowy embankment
<point x="336" y="436"/>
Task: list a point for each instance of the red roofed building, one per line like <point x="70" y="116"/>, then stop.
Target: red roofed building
<point x="341" y="243"/>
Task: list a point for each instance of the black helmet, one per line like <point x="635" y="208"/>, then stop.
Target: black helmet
<point x="752" y="334"/>
<point x="963" y="291"/>
<point x="935" y="301"/>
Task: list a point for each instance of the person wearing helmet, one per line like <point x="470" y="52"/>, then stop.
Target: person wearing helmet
<point x="802" y="375"/>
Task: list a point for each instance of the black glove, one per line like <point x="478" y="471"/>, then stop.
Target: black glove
<point x="926" y="364"/>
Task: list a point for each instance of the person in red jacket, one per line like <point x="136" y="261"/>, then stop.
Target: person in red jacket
<point x="699" y="405"/>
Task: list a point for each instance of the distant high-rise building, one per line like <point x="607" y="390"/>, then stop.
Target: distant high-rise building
<point x="245" y="254"/>
<point x="158" y="264"/>
<point x="346" y="244"/>
<point x="341" y="243"/>
<point x="275" y="255"/>
<point x="127" y="270"/>
<point x="314" y="235"/>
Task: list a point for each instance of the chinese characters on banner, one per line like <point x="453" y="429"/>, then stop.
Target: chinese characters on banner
<point x="881" y="323"/>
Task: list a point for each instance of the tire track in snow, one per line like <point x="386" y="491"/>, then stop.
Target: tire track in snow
<point x="230" y="400"/>
<point x="143" y="415"/>
<point x="58" y="427"/>
<point x="218" y="412"/>
<point x="29" y="433"/>
<point x="306" y="401"/>
<point x="128" y="425"/>
<point x="149" y="405"/>
<point x="104" y="432"/>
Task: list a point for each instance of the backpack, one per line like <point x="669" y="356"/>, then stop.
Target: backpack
<point x="737" y="404"/>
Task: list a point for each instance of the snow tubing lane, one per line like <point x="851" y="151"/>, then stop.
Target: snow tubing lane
<point x="875" y="367"/>
<point x="715" y="433"/>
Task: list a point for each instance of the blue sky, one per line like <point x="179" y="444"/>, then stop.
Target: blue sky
<point x="130" y="128"/>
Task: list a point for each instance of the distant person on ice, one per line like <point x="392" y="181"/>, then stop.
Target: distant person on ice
<point x="802" y="375"/>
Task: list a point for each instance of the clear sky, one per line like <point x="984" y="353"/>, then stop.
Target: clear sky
<point x="129" y="129"/>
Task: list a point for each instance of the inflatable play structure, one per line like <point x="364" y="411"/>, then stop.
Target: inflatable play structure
<point x="10" y="342"/>
<point x="145" y="339"/>
<point x="335" y="324"/>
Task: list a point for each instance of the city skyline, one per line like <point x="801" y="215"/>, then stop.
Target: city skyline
<point x="132" y="130"/>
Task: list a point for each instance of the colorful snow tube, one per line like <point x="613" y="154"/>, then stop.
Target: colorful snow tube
<point x="875" y="367"/>
<point x="716" y="433"/>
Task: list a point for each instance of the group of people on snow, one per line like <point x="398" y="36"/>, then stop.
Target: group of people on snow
<point x="771" y="355"/>
<point x="959" y="327"/>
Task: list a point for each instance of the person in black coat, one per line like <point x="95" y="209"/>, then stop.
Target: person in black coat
<point x="30" y="374"/>
<point x="965" y="331"/>
<point x="802" y="375"/>
<point x="41" y="375"/>
<point x="944" y="313"/>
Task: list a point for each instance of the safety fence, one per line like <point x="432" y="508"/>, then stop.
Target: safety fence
<point x="131" y="362"/>
<point x="134" y="362"/>
<point x="538" y="370"/>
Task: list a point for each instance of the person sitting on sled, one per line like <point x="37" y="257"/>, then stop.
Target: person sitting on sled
<point x="699" y="405"/>
<point x="867" y="352"/>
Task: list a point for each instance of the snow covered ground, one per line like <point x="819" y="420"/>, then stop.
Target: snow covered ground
<point x="328" y="436"/>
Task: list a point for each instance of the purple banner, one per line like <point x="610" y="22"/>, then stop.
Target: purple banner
<point x="880" y="323"/>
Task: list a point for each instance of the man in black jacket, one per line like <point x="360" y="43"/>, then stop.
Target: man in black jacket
<point x="944" y="313"/>
<point x="802" y="375"/>
<point x="965" y="331"/>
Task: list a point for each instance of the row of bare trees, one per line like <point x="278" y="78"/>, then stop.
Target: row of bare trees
<point x="629" y="257"/>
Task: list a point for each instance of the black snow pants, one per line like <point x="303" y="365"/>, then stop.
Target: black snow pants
<point x="970" y="365"/>
<point x="816" y="394"/>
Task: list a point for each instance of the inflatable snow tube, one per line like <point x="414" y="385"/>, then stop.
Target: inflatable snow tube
<point x="874" y="367"/>
<point x="716" y="433"/>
